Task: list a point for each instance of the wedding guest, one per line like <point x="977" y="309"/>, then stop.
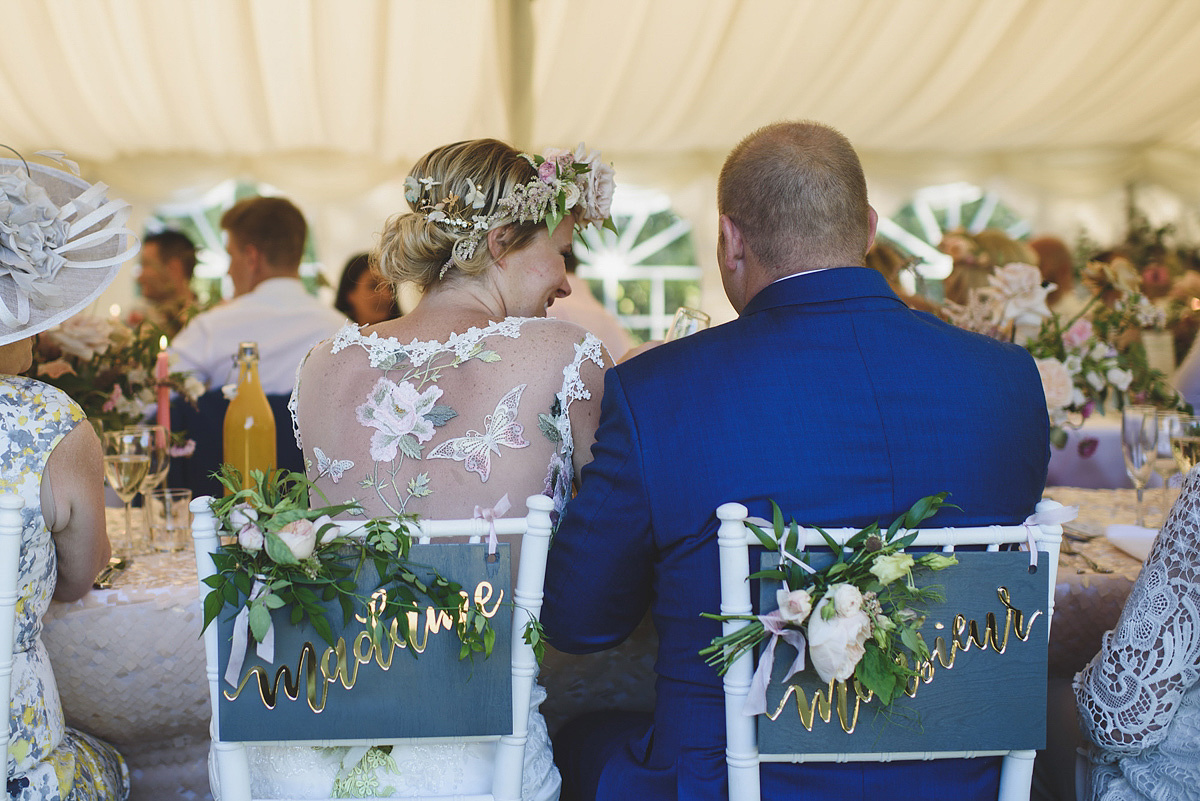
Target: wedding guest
<point x="888" y="262"/>
<point x="168" y="260"/>
<point x="971" y="268"/>
<point x="1139" y="698"/>
<point x="407" y="398"/>
<point x="584" y="309"/>
<point x="51" y="458"/>
<point x="828" y="395"/>
<point x="265" y="241"/>
<point x="364" y="296"/>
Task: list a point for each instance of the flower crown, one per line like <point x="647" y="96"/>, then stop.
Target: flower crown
<point x="566" y="182"/>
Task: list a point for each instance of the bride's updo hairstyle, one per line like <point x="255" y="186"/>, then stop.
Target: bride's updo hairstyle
<point x="419" y="246"/>
<point x="460" y="192"/>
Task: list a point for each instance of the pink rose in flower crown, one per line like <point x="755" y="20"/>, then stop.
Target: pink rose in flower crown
<point x="548" y="171"/>
<point x="1078" y="334"/>
<point x="597" y="186"/>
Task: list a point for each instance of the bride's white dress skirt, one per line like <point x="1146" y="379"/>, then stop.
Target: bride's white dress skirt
<point x="414" y="770"/>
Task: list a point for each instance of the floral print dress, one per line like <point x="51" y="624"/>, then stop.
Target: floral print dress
<point x="46" y="760"/>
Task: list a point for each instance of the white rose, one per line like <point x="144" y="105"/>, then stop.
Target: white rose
<point x="82" y="336"/>
<point x="835" y="646"/>
<point x="250" y="538"/>
<point x="846" y="598"/>
<point x="793" y="606"/>
<point x="1120" y="378"/>
<point x="242" y="515"/>
<point x="1056" y="383"/>
<point x="300" y="536"/>
<point x="597" y="188"/>
<point x="572" y="195"/>
<point x="1020" y="288"/>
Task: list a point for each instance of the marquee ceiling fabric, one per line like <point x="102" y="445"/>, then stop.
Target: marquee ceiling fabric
<point x="331" y="99"/>
<point x="928" y="82"/>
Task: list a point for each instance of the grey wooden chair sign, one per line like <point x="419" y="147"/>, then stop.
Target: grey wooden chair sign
<point x="983" y="689"/>
<point x="358" y="689"/>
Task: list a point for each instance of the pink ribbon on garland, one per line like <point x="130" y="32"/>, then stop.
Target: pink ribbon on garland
<point x="241" y="634"/>
<point x="756" y="698"/>
<point x="490" y="514"/>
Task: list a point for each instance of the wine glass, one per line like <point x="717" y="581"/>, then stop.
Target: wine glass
<point x="1185" y="442"/>
<point x="1164" y="460"/>
<point x="687" y="321"/>
<point x="1139" y="440"/>
<point x="125" y="467"/>
<point x="152" y="441"/>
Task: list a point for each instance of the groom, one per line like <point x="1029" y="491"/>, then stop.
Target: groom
<point x="827" y="395"/>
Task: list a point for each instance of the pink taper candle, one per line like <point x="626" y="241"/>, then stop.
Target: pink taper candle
<point x="164" y="391"/>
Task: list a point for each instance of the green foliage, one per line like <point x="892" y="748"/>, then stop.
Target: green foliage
<point x="873" y="561"/>
<point x="272" y="577"/>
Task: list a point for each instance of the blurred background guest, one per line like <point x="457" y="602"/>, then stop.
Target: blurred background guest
<point x="164" y="277"/>
<point x="52" y="459"/>
<point x="890" y="262"/>
<point x="363" y="296"/>
<point x="970" y="271"/>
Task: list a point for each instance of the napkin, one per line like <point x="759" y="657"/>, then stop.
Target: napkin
<point x="1133" y="540"/>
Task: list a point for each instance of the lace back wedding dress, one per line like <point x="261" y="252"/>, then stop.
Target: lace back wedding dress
<point x="439" y="429"/>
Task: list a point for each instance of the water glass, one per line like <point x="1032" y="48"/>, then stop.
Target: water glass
<point x="169" y="517"/>
<point x="1139" y="445"/>
<point x="687" y="321"/>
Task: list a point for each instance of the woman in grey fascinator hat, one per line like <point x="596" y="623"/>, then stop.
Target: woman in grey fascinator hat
<point x="61" y="243"/>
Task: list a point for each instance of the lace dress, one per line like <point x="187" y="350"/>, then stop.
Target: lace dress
<point x="46" y="760"/>
<point x="436" y="429"/>
<point x="1139" y="698"/>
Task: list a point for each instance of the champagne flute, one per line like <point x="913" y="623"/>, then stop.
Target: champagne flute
<point x="1185" y="442"/>
<point x="687" y="321"/>
<point x="1164" y="460"/>
<point x="125" y="468"/>
<point x="1139" y="440"/>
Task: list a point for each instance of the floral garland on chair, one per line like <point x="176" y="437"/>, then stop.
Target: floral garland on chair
<point x="281" y="553"/>
<point x="859" y="617"/>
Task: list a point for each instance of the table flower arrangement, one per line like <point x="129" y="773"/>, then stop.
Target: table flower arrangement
<point x="108" y="368"/>
<point x="282" y="553"/>
<point x="1086" y="362"/>
<point x="859" y="617"/>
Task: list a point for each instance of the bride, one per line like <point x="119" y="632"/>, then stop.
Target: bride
<point x="474" y="398"/>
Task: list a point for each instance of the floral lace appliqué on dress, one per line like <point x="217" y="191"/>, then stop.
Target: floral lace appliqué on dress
<point x="405" y="408"/>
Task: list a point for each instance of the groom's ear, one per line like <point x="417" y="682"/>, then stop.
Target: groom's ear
<point x="731" y="248"/>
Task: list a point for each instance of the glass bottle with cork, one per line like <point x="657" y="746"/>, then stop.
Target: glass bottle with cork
<point x="249" y="422"/>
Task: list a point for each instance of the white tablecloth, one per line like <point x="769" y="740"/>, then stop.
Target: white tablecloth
<point x="129" y="663"/>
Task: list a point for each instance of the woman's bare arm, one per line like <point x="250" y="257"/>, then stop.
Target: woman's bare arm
<point x="73" y="506"/>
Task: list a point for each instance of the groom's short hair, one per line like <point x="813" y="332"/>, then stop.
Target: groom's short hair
<point x="797" y="193"/>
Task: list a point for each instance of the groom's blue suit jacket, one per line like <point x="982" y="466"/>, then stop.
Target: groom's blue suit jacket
<point x="829" y="396"/>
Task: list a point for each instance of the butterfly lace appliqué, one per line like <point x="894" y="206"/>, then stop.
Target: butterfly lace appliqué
<point x="334" y="468"/>
<point x="500" y="428"/>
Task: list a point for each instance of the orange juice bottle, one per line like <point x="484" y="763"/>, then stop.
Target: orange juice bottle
<point x="249" y="422"/>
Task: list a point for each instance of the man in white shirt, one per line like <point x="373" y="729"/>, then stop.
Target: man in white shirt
<point x="265" y="241"/>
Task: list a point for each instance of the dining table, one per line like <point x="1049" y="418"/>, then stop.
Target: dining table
<point x="130" y="665"/>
